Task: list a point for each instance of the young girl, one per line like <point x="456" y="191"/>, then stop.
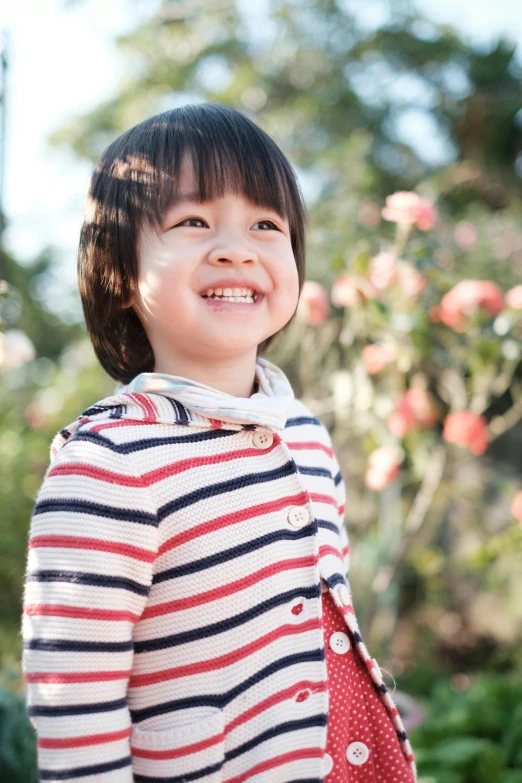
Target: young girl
<point x="187" y="614"/>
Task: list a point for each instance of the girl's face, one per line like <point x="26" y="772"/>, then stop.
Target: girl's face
<point x="201" y="247"/>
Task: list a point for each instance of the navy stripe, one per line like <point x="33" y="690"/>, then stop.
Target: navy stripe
<point x="314" y="471"/>
<point x="117" y="412"/>
<point x="334" y="580"/>
<point x="58" y="711"/>
<point x="203" y="632"/>
<point x="230" y="554"/>
<point x="307" y="780"/>
<point x="78" y="577"/>
<point x="328" y="525"/>
<point x="277" y="731"/>
<point x="338" y="478"/>
<point x="242" y="482"/>
<point x="297" y="420"/>
<point x="147" y="443"/>
<point x="97" y="408"/>
<point x="204" y="772"/>
<point x="79" y="772"/>
<point x="75" y="506"/>
<point x="76" y="645"/>
<point x="181" y="413"/>
<point x="221" y="700"/>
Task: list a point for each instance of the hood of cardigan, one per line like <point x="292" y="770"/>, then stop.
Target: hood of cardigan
<point x="166" y="399"/>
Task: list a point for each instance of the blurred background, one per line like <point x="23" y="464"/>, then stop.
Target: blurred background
<point x="403" y="121"/>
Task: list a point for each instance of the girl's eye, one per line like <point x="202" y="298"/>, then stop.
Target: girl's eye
<point x="190" y="220"/>
<point x="268" y="223"/>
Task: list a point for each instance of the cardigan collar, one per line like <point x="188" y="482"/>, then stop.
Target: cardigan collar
<point x="268" y="407"/>
<point x="158" y="398"/>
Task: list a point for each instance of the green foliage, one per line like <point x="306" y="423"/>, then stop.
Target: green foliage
<point x="17" y="740"/>
<point x="472" y="735"/>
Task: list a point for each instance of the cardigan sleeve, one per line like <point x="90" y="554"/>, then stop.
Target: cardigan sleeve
<point x="340" y="496"/>
<point x="92" y="543"/>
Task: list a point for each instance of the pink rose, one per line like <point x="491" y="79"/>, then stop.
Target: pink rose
<point x="377" y="356"/>
<point x="410" y="280"/>
<point x="416" y="408"/>
<point x="409" y="208"/>
<point x="516" y="506"/>
<point x="402" y="419"/>
<point x="345" y="291"/>
<point x="465" y="298"/>
<point x="384" y="466"/>
<point x="423" y="405"/>
<point x="314" y="304"/>
<point x="382" y="270"/>
<point x="465" y="235"/>
<point x="468" y="430"/>
<point x="513" y="297"/>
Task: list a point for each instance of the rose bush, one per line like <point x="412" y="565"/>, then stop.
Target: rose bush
<point x="417" y="359"/>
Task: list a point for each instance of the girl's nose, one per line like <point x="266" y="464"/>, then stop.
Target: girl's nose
<point x="232" y="252"/>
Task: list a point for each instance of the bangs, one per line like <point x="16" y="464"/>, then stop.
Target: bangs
<point x="229" y="155"/>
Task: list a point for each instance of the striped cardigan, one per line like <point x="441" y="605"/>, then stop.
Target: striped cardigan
<point x="172" y="622"/>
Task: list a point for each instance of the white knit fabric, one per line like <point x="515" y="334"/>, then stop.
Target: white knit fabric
<point x="172" y="602"/>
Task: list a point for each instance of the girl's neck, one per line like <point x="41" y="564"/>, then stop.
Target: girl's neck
<point x="236" y="376"/>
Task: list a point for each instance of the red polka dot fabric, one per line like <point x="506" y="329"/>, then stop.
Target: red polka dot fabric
<point x="361" y="745"/>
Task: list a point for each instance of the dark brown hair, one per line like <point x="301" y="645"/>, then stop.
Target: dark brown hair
<point x="136" y="181"/>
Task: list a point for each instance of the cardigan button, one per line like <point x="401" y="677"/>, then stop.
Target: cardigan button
<point x="262" y="440"/>
<point x="327" y="764"/>
<point x="357" y="753"/>
<point x="339" y="642"/>
<point x="298" y="516"/>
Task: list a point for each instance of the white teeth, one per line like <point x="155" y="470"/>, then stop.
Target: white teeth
<point x="246" y="299"/>
<point x="229" y="292"/>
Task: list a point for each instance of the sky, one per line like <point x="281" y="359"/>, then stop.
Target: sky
<point x="63" y="61"/>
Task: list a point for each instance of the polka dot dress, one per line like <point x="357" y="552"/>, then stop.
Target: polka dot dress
<point x="361" y="745"/>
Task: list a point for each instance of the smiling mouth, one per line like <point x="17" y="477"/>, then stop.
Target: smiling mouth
<point x="248" y="299"/>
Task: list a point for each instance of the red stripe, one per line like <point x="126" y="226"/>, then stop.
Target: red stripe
<point x="76" y="542"/>
<point x="148" y="479"/>
<point x="57" y="678"/>
<point x="345" y="550"/>
<point x="79" y="612"/>
<point x="139" y="680"/>
<point x="145" y="404"/>
<point x="323" y="498"/>
<point x="278" y="761"/>
<point x="81" y="469"/>
<point x="341" y="509"/>
<point x="178" y="752"/>
<point x="231" y="588"/>
<point x="240" y="515"/>
<point x="89" y="739"/>
<point x="287" y="693"/>
<point x="311" y="444"/>
<point x="326" y="549"/>
<point x="175" y="468"/>
<point x="107" y="425"/>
